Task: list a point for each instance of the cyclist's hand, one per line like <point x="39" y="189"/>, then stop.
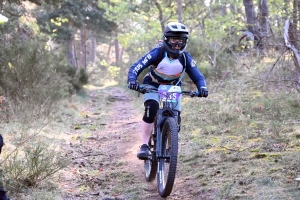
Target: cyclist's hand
<point x="133" y="85"/>
<point x="203" y="92"/>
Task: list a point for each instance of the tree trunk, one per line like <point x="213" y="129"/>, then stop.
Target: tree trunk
<point x="117" y="52"/>
<point x="70" y="53"/>
<point x="108" y="50"/>
<point x="223" y="9"/>
<point x="83" y="48"/>
<point x="121" y="54"/>
<point x="179" y="10"/>
<point x="92" y="47"/>
<point x="288" y="34"/>
<point x="253" y="25"/>
<point x="251" y="16"/>
<point x="295" y="15"/>
<point x="264" y="14"/>
<point x="160" y="16"/>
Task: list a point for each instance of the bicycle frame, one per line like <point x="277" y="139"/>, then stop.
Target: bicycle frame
<point x="169" y="96"/>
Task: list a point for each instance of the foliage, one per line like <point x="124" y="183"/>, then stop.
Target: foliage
<point x="33" y="163"/>
<point x="114" y="71"/>
<point x="63" y="22"/>
<point x="138" y="24"/>
<point x="30" y="74"/>
<point x="32" y="81"/>
<point x="78" y="78"/>
<point x="38" y="2"/>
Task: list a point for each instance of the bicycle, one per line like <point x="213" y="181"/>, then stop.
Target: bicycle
<point x="163" y="142"/>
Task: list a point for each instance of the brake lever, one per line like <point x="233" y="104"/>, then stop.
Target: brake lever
<point x="194" y="94"/>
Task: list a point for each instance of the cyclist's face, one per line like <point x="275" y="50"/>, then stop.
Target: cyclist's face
<point x="176" y="42"/>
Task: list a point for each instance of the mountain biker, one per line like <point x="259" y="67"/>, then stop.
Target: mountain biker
<point x="175" y="61"/>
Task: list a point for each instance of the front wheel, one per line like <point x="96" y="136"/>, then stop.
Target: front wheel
<point x="168" y="162"/>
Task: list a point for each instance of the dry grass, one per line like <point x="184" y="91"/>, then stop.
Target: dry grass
<point x="240" y="143"/>
<point x="243" y="141"/>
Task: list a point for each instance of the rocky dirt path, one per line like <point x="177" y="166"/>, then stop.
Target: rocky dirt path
<point x="103" y="151"/>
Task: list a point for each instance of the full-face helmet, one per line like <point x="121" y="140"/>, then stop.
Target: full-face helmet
<point x="175" y="34"/>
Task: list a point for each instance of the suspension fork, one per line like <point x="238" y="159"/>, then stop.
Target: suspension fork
<point x="160" y="120"/>
<point x="158" y="133"/>
<point x="177" y="116"/>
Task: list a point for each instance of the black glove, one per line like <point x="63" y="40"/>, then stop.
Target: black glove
<point x="203" y="92"/>
<point x="133" y="85"/>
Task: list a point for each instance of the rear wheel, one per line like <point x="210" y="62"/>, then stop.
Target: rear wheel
<point x="168" y="163"/>
<point x="150" y="165"/>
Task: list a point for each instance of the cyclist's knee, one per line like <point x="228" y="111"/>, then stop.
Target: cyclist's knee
<point x="151" y="107"/>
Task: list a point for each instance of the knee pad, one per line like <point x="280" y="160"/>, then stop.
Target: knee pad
<point x="151" y="107"/>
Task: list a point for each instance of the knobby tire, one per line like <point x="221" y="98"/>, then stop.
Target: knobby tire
<point x="167" y="167"/>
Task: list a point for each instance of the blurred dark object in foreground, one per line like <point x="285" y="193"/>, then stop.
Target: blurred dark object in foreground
<point x="1" y="143"/>
<point x="2" y="191"/>
<point x="3" y="194"/>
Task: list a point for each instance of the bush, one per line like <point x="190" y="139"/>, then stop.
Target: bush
<point x="215" y="59"/>
<point x="32" y="81"/>
<point x="33" y="163"/>
<point x="78" y="78"/>
<point x="31" y="78"/>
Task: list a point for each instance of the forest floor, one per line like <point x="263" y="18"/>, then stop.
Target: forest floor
<point x="103" y="142"/>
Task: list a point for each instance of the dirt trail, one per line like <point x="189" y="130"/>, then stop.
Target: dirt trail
<point x="104" y="164"/>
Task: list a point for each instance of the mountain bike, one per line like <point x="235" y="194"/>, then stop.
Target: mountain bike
<point x="163" y="142"/>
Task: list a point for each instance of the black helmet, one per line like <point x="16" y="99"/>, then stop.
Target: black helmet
<point x="175" y="30"/>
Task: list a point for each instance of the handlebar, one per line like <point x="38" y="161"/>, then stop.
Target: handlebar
<point x="144" y="89"/>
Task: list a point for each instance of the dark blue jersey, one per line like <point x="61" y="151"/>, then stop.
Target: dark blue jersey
<point x="155" y="79"/>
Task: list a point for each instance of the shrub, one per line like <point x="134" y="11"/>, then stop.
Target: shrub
<point x="78" y="78"/>
<point x="33" y="163"/>
<point x="32" y="81"/>
<point x="31" y="78"/>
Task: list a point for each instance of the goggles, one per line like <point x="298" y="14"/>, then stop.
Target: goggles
<point x="174" y="40"/>
<point x="177" y="41"/>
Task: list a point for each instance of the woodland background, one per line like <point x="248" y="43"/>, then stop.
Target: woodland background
<point x="247" y="50"/>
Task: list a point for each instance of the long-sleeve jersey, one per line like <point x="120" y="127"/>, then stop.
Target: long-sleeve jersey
<point x="167" y="71"/>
